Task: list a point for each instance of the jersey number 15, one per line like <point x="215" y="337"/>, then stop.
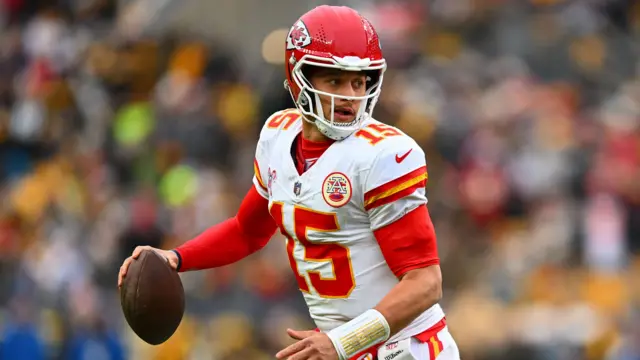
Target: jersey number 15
<point x="343" y="281"/>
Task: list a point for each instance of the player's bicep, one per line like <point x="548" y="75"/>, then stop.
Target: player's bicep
<point x="253" y="216"/>
<point x="410" y="242"/>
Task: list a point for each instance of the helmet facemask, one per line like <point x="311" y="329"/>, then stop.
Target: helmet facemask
<point x="309" y="102"/>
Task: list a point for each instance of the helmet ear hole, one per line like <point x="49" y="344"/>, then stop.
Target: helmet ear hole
<point x="304" y="100"/>
<point x="373" y="77"/>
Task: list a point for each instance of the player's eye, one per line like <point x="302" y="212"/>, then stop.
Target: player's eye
<point x="358" y="84"/>
<point x="334" y="82"/>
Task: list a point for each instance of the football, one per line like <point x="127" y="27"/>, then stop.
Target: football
<point x="152" y="298"/>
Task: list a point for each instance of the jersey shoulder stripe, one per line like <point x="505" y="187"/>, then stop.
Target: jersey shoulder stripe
<point x="397" y="169"/>
<point x="275" y="125"/>
<point x="256" y="171"/>
<point x="396" y="188"/>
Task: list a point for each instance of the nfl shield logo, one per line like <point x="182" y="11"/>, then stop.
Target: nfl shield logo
<point x="296" y="188"/>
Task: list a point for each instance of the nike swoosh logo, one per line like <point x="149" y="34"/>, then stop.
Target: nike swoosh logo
<point x="400" y="159"/>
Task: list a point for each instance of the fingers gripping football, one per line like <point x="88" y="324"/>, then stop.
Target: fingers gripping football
<point x="169" y="256"/>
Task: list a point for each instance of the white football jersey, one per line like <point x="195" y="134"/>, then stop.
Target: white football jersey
<point x="329" y="213"/>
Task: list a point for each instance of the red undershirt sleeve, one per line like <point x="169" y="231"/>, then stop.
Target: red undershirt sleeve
<point x="410" y="242"/>
<point x="232" y="240"/>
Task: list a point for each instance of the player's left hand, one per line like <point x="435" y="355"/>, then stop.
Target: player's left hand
<point x="313" y="345"/>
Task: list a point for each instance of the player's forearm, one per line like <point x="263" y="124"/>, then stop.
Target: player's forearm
<point x="418" y="290"/>
<point x="220" y="245"/>
<point x="231" y="240"/>
<point x="410" y="248"/>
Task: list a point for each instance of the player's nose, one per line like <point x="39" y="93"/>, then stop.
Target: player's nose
<point x="347" y="91"/>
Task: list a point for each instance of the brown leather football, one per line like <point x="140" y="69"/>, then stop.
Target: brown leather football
<point x="152" y="298"/>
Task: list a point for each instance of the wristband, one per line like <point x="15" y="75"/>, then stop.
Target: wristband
<point x="179" y="259"/>
<point x="363" y="332"/>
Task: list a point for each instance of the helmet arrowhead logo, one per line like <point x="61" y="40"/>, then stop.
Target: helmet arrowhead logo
<point x="298" y="36"/>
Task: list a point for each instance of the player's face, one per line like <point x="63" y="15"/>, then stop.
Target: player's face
<point x="346" y="83"/>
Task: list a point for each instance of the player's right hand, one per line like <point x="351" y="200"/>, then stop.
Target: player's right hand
<point x="171" y="257"/>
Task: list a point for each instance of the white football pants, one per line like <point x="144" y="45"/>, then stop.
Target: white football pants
<point x="440" y="347"/>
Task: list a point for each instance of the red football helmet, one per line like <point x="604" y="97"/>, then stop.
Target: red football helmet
<point x="334" y="37"/>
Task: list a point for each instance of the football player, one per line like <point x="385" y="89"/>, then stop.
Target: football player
<point x="348" y="194"/>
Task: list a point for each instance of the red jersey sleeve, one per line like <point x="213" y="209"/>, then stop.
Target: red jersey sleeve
<point x="409" y="242"/>
<point x="232" y="240"/>
<point x="394" y="196"/>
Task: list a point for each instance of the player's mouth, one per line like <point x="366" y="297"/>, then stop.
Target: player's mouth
<point x="344" y="114"/>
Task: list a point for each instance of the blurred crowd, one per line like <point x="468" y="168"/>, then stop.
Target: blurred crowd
<point x="529" y="112"/>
